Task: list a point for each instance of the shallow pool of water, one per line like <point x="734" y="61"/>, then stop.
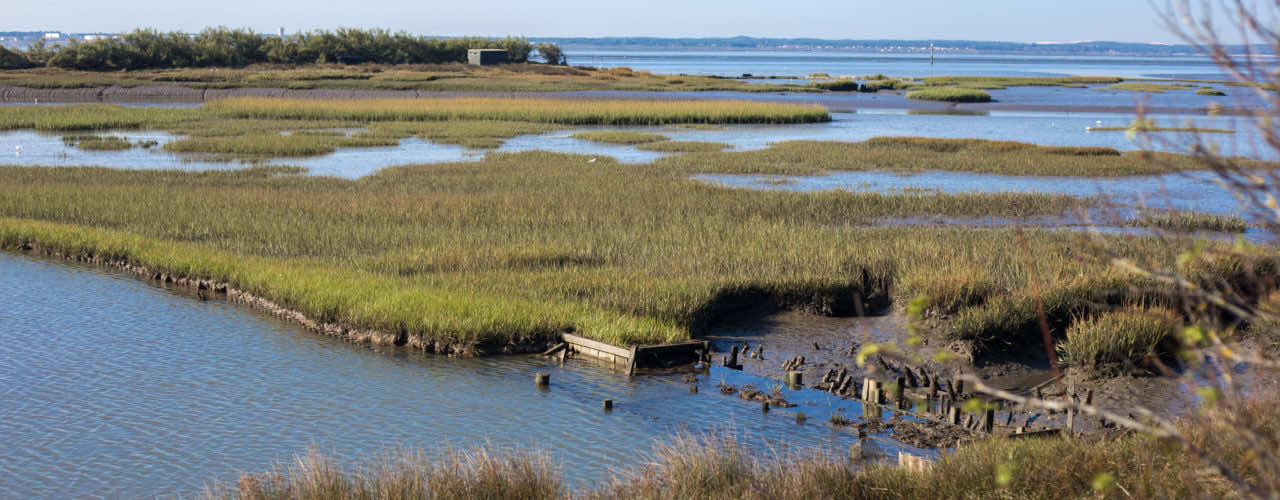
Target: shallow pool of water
<point x="114" y="387"/>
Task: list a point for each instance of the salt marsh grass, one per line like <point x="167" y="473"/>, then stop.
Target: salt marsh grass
<point x="478" y="134"/>
<point x="1002" y="82"/>
<point x="1117" y="339"/>
<point x="684" y="147"/>
<point x="567" y="112"/>
<point x="949" y="94"/>
<point x="88" y="117"/>
<point x="1149" y="87"/>
<point x="1182" y="221"/>
<point x="522" y="247"/>
<point x="274" y="145"/>
<point x="97" y="142"/>
<point x="620" y="137"/>
<point x="913" y="154"/>
<point x="403" y="77"/>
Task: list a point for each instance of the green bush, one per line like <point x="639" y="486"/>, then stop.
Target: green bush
<point x="13" y="60"/>
<point x="551" y="54"/>
<point x="222" y="46"/>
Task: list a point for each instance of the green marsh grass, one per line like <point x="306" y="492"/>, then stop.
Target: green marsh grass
<point x="97" y="142"/>
<point x="522" y="247"/>
<point x="1149" y="87"/>
<point x="1114" y="340"/>
<point x="844" y="85"/>
<point x="87" y="117"/>
<point x="566" y="112"/>
<point x="886" y="84"/>
<point x="914" y="154"/>
<point x="477" y="134"/>
<point x="1210" y="91"/>
<point x="620" y="137"/>
<point x="407" y="77"/>
<point x="950" y="94"/>
<point x="1183" y="221"/>
<point x="273" y="145"/>
<point x="515" y="246"/>
<point x="684" y="147"/>
<point x="1002" y="82"/>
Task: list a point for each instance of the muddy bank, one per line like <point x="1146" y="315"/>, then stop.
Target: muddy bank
<point x="824" y="351"/>
<point x="834" y="101"/>
<point x="206" y="289"/>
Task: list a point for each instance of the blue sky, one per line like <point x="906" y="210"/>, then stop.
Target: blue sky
<point x="1009" y="20"/>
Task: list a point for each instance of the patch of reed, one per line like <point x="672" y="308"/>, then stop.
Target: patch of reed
<point x="1118" y="339"/>
<point x="684" y="147"/>
<point x="620" y="137"/>
<point x="567" y="112"/>
<point x="949" y="94"/>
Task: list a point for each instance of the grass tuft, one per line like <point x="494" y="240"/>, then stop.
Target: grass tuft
<point x="1114" y="340"/>
<point x="950" y="94"/>
<point x="565" y="112"/>
<point x="97" y="142"/>
<point x="684" y="147"/>
<point x="1188" y="221"/>
<point x="620" y="137"/>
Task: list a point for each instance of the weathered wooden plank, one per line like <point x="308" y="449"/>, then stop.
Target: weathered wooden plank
<point x="580" y="342"/>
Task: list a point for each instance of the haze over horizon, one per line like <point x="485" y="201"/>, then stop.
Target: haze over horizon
<point x="988" y="20"/>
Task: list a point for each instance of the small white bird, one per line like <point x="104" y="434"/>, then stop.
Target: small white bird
<point x="1098" y="123"/>
<point x="593" y="160"/>
<point x="17" y="150"/>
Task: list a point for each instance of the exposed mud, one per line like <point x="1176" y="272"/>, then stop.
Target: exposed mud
<point x="824" y="350"/>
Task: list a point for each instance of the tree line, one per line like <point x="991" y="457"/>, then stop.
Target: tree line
<point x="223" y="46"/>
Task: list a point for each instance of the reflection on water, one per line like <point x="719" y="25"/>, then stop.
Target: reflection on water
<point x="112" y="387"/>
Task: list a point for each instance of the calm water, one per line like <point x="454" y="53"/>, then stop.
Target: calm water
<point x="1048" y="128"/>
<point x="802" y="63"/>
<point x="113" y="387"/>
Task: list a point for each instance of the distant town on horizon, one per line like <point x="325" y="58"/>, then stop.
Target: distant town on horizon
<point x="22" y="39"/>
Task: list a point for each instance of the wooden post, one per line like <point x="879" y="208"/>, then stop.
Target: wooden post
<point x="542" y="379"/>
<point x="733" y="359"/>
<point x="801" y="417"/>
<point x="631" y="364"/>
<point x="693" y="388"/>
<point x="608" y="405"/>
<point x="953" y="415"/>
<point x="764" y="407"/>
<point x="898" y="393"/>
<point x="1071" y="422"/>
<point x="795" y="379"/>
<point x="988" y="421"/>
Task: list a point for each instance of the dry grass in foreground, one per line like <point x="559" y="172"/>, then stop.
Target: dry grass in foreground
<point x="712" y="467"/>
